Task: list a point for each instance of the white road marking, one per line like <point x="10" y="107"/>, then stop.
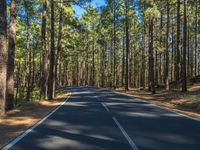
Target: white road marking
<point x="16" y="140"/>
<point x="105" y="107"/>
<point x="161" y="107"/>
<point x="183" y="115"/>
<point x="133" y="146"/>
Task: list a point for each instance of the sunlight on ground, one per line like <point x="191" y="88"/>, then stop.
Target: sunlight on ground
<point x="17" y="121"/>
<point x="186" y="103"/>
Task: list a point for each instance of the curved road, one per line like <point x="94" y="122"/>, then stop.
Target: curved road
<point x="98" y="119"/>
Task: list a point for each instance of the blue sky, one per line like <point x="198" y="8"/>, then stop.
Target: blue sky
<point x="96" y="3"/>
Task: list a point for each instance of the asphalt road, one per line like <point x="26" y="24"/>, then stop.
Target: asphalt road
<point x="98" y="119"/>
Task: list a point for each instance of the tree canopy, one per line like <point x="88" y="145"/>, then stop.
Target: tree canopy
<point x="124" y="44"/>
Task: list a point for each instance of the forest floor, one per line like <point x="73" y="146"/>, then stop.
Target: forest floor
<point x="186" y="103"/>
<point x="26" y="115"/>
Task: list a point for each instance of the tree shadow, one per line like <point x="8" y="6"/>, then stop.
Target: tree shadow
<point x="24" y="116"/>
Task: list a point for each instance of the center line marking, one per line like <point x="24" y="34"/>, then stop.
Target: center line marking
<point x="105" y="107"/>
<point x="133" y="146"/>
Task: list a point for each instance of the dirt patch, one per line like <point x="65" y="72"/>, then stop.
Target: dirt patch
<point x="186" y="103"/>
<point x="26" y="115"/>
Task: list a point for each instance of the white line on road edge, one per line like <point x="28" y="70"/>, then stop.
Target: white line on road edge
<point x="134" y="147"/>
<point x="16" y="140"/>
<point x="161" y="107"/>
<point x="105" y="107"/>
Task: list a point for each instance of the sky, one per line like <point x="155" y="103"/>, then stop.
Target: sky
<point x="96" y="3"/>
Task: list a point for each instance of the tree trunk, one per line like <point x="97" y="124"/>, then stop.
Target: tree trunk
<point x="151" y="58"/>
<point x="114" y="46"/>
<point x="86" y="64"/>
<point x="29" y="55"/>
<point x="156" y="60"/>
<point x="2" y="56"/>
<point x="184" y="77"/>
<point x="127" y="46"/>
<point x="191" y="56"/>
<point x="161" y="44"/>
<point x="177" y="68"/>
<point x="196" y="41"/>
<point x="28" y="94"/>
<point x="172" y="59"/>
<point x="18" y="83"/>
<point x="102" y="65"/>
<point x="33" y="70"/>
<point x="142" y="78"/>
<point x="51" y="80"/>
<point x="59" y="41"/>
<point x="123" y="60"/>
<point x="11" y="57"/>
<point x="167" y="50"/>
<point x="93" y="64"/>
<point x="44" y="77"/>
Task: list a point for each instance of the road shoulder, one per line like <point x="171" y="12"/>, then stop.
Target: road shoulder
<point x="19" y="120"/>
<point x="192" y="114"/>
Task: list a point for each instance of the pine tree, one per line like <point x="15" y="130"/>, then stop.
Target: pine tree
<point x="11" y="57"/>
<point x="2" y="56"/>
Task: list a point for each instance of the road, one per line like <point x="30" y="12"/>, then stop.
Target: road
<point x="98" y="119"/>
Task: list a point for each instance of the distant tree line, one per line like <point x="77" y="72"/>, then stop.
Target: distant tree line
<point x="144" y="44"/>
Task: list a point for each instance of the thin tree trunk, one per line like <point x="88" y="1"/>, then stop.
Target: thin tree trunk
<point x="184" y="77"/>
<point x="33" y="70"/>
<point x="114" y="46"/>
<point x="151" y="58"/>
<point x="172" y="59"/>
<point x="28" y="95"/>
<point x="123" y="60"/>
<point x="77" y="71"/>
<point x="167" y="50"/>
<point x="86" y="64"/>
<point x="161" y="44"/>
<point x="188" y="53"/>
<point x="59" y="41"/>
<point x="44" y="77"/>
<point x="177" y="68"/>
<point x="93" y="64"/>
<point x="130" y="68"/>
<point x="18" y="83"/>
<point x="191" y="58"/>
<point x="51" y="80"/>
<point x="29" y="55"/>
<point x="142" y="78"/>
<point x="156" y="60"/>
<point x="11" y="56"/>
<point x="3" y="33"/>
<point x="127" y="46"/>
<point x="196" y="41"/>
<point x="102" y="65"/>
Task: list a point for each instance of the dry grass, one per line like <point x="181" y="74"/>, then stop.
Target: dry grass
<point x="26" y="115"/>
<point x="187" y="103"/>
